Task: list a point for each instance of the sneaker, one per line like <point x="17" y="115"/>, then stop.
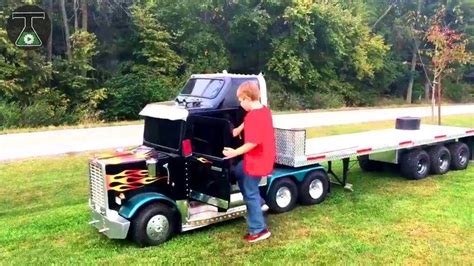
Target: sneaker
<point x="257" y="237"/>
<point x="264" y="207"/>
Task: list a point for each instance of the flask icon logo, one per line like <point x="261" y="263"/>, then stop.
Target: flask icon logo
<point x="29" y="27"/>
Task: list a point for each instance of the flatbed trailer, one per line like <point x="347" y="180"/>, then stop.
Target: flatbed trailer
<point x="386" y="145"/>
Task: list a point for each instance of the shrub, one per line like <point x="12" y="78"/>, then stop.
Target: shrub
<point x="455" y="91"/>
<point x="129" y="93"/>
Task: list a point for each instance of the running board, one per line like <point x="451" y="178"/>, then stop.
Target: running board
<point x="202" y="214"/>
<point x="210" y="217"/>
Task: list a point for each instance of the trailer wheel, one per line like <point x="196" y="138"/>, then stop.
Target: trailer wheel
<point x="314" y="188"/>
<point x="415" y="164"/>
<point x="368" y="165"/>
<point x="153" y="225"/>
<point x="460" y="155"/>
<point x="282" y="195"/>
<point x="440" y="159"/>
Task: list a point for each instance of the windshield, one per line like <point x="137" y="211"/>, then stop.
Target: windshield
<point x="205" y="88"/>
<point x="162" y="132"/>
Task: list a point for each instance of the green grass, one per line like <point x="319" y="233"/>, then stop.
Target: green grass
<point x="387" y="219"/>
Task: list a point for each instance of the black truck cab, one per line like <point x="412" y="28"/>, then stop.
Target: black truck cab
<point x="195" y="129"/>
<point x="178" y="180"/>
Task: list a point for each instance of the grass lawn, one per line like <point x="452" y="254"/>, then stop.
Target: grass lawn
<point x="387" y="219"/>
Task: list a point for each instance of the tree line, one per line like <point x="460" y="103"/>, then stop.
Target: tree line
<point x="106" y="59"/>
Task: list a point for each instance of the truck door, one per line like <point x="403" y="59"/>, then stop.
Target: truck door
<point x="208" y="172"/>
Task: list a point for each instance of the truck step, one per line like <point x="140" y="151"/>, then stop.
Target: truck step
<point x="208" y="216"/>
<point x="202" y="214"/>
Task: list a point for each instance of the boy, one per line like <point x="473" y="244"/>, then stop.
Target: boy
<point x="259" y="156"/>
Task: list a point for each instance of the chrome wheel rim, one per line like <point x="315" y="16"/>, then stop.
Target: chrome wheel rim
<point x="422" y="166"/>
<point x="283" y="197"/>
<point x="443" y="162"/>
<point x="316" y="189"/>
<point x="157" y="227"/>
<point x="462" y="157"/>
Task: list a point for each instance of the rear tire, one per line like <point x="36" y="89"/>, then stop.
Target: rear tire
<point x="314" y="188"/>
<point x="368" y="165"/>
<point x="415" y="164"/>
<point x="440" y="159"/>
<point x="460" y="155"/>
<point x="153" y="225"/>
<point x="282" y="195"/>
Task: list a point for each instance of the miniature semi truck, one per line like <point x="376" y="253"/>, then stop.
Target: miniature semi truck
<point x="177" y="180"/>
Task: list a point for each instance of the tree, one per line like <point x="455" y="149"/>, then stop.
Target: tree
<point x="66" y="28"/>
<point x="155" y="42"/>
<point x="23" y="74"/>
<point x="73" y="80"/>
<point x="84" y="14"/>
<point x="449" y="48"/>
<point x="326" y="49"/>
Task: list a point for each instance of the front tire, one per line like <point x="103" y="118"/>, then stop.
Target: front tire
<point x="314" y="188"/>
<point x="282" y="195"/>
<point x="153" y="225"/>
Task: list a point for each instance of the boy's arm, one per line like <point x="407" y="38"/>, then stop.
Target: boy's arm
<point x="238" y="130"/>
<point x="231" y="153"/>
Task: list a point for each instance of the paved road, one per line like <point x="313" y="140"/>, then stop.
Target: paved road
<point x="305" y="120"/>
<point x="24" y="145"/>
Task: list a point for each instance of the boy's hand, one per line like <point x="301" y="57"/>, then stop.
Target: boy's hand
<point x="229" y="153"/>
<point x="236" y="132"/>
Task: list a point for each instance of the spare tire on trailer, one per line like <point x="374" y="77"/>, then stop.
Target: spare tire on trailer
<point x="408" y="123"/>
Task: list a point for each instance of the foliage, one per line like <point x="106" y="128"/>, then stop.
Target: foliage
<point x="129" y="93"/>
<point x="73" y="80"/>
<point x="326" y="49"/>
<point x="22" y="73"/>
<point x="315" y="54"/>
<point x="41" y="112"/>
<point x="455" y="92"/>
<point x="449" y="48"/>
<point x="155" y="42"/>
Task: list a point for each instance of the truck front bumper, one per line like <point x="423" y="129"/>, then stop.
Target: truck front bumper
<point x="112" y="225"/>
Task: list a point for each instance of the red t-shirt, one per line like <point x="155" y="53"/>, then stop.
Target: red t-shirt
<point x="258" y="127"/>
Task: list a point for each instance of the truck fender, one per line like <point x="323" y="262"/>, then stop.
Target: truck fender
<point x="132" y="205"/>
<point x="298" y="174"/>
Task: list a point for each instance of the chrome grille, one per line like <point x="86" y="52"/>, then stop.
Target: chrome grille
<point x="97" y="187"/>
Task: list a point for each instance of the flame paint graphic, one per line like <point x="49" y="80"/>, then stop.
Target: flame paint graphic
<point x="116" y="157"/>
<point x="204" y="160"/>
<point x="130" y="179"/>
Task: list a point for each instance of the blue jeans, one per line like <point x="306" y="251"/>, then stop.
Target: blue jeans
<point x="249" y="188"/>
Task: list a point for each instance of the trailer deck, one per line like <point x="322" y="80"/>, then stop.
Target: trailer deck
<point x="293" y="149"/>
